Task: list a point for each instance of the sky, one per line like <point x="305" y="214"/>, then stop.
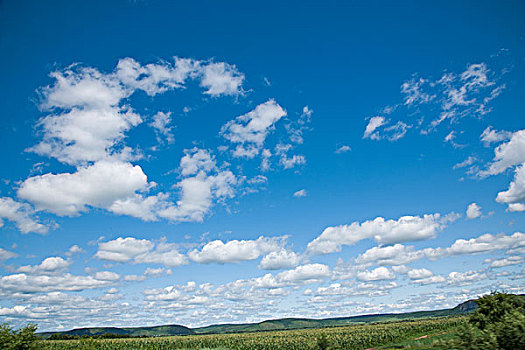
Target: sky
<point x="204" y="162"/>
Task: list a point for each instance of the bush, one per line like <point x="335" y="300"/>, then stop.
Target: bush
<point x="21" y="339"/>
<point x="498" y="323"/>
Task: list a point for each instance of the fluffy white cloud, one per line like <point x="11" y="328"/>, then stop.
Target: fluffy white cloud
<point x="21" y="215"/>
<point x="490" y="136"/>
<point x="123" y="249"/>
<point x="511" y="260"/>
<point x="235" y="251"/>
<point x="473" y="211"/>
<point x="277" y="260"/>
<point x="397" y="254"/>
<point x="377" y="274"/>
<point x="24" y="283"/>
<point x="485" y="243"/>
<point x="221" y="79"/>
<point x="507" y="155"/>
<point x="465" y="278"/>
<point x="51" y="265"/>
<point x="250" y="130"/>
<point x="138" y="251"/>
<point x="392" y="133"/>
<point x="417" y="274"/>
<point x="515" y="195"/>
<point x="406" y="228"/>
<point x="204" y="183"/>
<point x="98" y="185"/>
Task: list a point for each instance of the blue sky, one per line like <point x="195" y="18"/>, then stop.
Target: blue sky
<point x="205" y="162"/>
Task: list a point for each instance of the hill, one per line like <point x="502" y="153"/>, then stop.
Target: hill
<point x="269" y="325"/>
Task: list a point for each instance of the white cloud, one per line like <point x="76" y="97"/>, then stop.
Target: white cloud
<point x="511" y="260"/>
<point x="290" y="162"/>
<point x="138" y="251"/>
<point x="373" y="124"/>
<point x="221" y="79"/>
<point x="417" y="274"/>
<point x="24" y="283"/>
<point x="406" y="228"/>
<point x="391" y="133"/>
<point x="235" y="251"/>
<point x="123" y="249"/>
<point x="465" y="278"/>
<point x="75" y="249"/>
<point x="277" y="260"/>
<point x="343" y="149"/>
<point x="490" y="136"/>
<point x="377" y="274"/>
<point x="469" y="161"/>
<point x="300" y="193"/>
<point x="414" y="94"/>
<point x="6" y="254"/>
<point x="250" y="130"/>
<point x="156" y="272"/>
<point x="486" y="243"/>
<point x="507" y="155"/>
<point x="98" y="185"/>
<point x="297" y="128"/>
<point x="473" y="211"/>
<point x="515" y="195"/>
<point x="21" y="215"/>
<point x="204" y="183"/>
<point x="51" y="265"/>
<point x="160" y="123"/>
<point x="397" y="254"/>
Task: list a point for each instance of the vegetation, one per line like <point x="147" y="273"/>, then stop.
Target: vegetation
<point x="21" y="339"/>
<point x="361" y="336"/>
<point x="498" y="323"/>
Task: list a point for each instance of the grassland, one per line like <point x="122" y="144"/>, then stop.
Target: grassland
<point x="414" y="334"/>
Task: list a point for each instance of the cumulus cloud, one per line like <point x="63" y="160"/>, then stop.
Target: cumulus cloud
<point x="473" y="211"/>
<point x="465" y="278"/>
<point x="406" y="228"/>
<point x="130" y="249"/>
<point x="27" y="283"/>
<point x="98" y="185"/>
<point x="51" y="265"/>
<point x="249" y="131"/>
<point x="21" y="215"/>
<point x="377" y="274"/>
<point x="277" y="260"/>
<point x="235" y="251"/>
<point x="397" y="254"/>
<point x="490" y="136"/>
<point x="202" y="183"/>
<point x="424" y="277"/>
<point x="486" y="242"/>
<point x="507" y="155"/>
<point x="514" y="197"/>
<point x="86" y="126"/>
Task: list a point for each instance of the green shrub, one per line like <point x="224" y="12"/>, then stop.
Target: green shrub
<point x="21" y="339"/>
<point x="498" y="323"/>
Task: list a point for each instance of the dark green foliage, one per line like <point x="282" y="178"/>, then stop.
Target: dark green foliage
<point x="498" y="323"/>
<point x="322" y="342"/>
<point x="21" y="339"/>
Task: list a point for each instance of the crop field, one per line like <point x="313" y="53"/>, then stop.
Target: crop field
<point x="413" y="334"/>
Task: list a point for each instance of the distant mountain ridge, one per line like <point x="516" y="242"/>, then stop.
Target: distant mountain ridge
<point x="269" y="325"/>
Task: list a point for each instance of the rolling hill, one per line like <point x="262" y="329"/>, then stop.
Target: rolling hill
<point x="269" y="325"/>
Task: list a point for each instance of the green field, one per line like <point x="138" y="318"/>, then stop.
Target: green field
<point x="384" y="335"/>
